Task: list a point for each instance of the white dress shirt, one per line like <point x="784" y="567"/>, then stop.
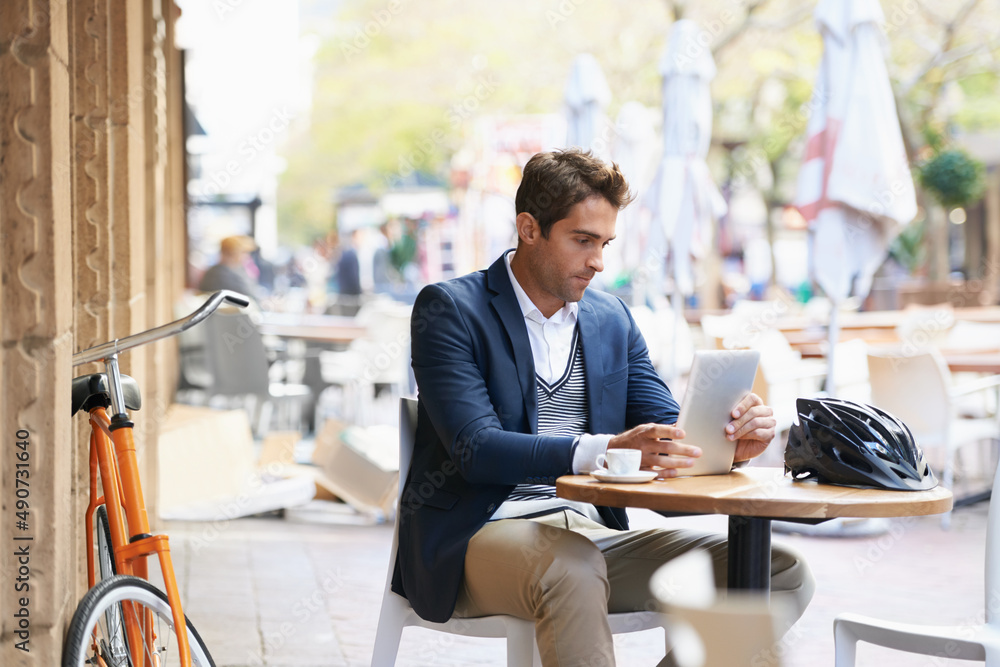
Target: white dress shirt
<point x="551" y="342"/>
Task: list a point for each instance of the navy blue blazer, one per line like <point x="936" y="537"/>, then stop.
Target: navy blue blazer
<point x="478" y="419"/>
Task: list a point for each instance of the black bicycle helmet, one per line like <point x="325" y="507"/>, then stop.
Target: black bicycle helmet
<point x="853" y="444"/>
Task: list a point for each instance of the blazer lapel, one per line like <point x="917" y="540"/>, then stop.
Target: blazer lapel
<point x="505" y="304"/>
<point x="593" y="361"/>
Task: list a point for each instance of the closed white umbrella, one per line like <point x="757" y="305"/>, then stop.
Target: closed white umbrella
<point x="587" y="96"/>
<point x="635" y="153"/>
<point x="854" y="186"/>
<point x="683" y="198"/>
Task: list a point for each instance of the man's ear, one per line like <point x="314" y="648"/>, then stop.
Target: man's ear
<point x="528" y="230"/>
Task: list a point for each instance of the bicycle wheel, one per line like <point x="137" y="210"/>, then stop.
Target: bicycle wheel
<point x="91" y="640"/>
<point x="106" y="569"/>
<point x="105" y="562"/>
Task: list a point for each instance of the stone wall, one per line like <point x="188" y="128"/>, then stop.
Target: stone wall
<point x="91" y="248"/>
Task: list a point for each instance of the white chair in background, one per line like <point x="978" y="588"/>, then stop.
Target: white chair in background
<point x="958" y="642"/>
<point x="708" y="631"/>
<point x="917" y="388"/>
<point x="783" y="375"/>
<point x="922" y="326"/>
<point x="850" y="370"/>
<point x="670" y="344"/>
<point x="397" y="613"/>
<point x="379" y="358"/>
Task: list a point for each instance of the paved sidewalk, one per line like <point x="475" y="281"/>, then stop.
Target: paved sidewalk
<point x="265" y="591"/>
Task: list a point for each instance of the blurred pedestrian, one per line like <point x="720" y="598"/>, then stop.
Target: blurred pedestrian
<point x="349" y="267"/>
<point x="231" y="272"/>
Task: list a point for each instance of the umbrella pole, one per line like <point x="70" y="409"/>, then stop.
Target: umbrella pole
<point x="678" y="304"/>
<point x="834" y="336"/>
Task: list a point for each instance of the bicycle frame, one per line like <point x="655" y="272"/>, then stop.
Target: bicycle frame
<point x="112" y="454"/>
<point x="113" y="459"/>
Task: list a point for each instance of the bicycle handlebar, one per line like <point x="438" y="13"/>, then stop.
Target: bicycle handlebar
<point x="105" y="350"/>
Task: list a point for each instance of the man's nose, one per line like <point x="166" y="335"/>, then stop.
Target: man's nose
<point x="597" y="260"/>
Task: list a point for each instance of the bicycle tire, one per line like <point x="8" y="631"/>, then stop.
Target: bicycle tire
<point x="106" y="565"/>
<point x="90" y="642"/>
<point x="105" y="560"/>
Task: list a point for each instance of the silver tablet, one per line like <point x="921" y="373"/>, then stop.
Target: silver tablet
<point x="719" y="380"/>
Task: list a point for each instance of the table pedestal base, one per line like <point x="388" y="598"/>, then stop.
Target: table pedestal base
<point x="749" y="553"/>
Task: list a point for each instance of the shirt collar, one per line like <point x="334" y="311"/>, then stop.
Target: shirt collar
<point x="567" y="313"/>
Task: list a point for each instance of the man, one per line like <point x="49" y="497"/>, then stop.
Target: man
<point x="230" y="273"/>
<point x="523" y="376"/>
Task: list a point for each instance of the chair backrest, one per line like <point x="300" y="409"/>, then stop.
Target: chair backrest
<point x="914" y="388"/>
<point x="923" y="326"/>
<point x="407" y="435"/>
<point x="993" y="555"/>
<point x="739" y="630"/>
<point x="646" y="321"/>
<point x="235" y="355"/>
<point x="776" y="353"/>
<point x="850" y="364"/>
<point x="385" y="321"/>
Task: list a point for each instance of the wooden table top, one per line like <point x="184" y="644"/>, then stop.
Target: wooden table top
<point x="882" y="319"/>
<point x="315" y="327"/>
<point x="764" y="492"/>
<point x="958" y="362"/>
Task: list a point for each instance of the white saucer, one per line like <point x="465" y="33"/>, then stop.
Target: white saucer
<point x="634" y="478"/>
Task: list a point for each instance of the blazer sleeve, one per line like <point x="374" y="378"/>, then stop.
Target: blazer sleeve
<point x="467" y="402"/>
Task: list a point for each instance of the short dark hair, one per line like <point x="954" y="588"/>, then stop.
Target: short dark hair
<point x="553" y="183"/>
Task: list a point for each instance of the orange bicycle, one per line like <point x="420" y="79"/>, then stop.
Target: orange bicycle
<point x="123" y="620"/>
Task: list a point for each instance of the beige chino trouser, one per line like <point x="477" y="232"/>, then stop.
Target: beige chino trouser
<point x="566" y="572"/>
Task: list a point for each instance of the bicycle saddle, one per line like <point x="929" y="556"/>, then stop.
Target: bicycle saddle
<point x="92" y="390"/>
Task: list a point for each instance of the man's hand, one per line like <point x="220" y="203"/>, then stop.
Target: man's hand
<point x="658" y="447"/>
<point x="752" y="427"/>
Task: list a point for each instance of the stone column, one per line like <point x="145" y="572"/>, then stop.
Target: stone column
<point x="89" y="223"/>
<point x="38" y="588"/>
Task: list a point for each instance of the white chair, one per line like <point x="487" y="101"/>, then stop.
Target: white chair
<point x="380" y="358"/>
<point x="783" y="375"/>
<point x="668" y="339"/>
<point x="397" y="613"/>
<point x="708" y="631"/>
<point x="917" y="388"/>
<point x="958" y="642"/>
<point x="850" y="370"/>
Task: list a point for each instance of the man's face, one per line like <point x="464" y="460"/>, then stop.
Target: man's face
<point x="563" y="265"/>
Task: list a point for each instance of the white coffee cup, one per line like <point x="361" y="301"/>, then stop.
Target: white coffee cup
<point x="620" y="461"/>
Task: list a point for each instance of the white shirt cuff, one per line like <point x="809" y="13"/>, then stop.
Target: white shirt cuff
<point x="587" y="450"/>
